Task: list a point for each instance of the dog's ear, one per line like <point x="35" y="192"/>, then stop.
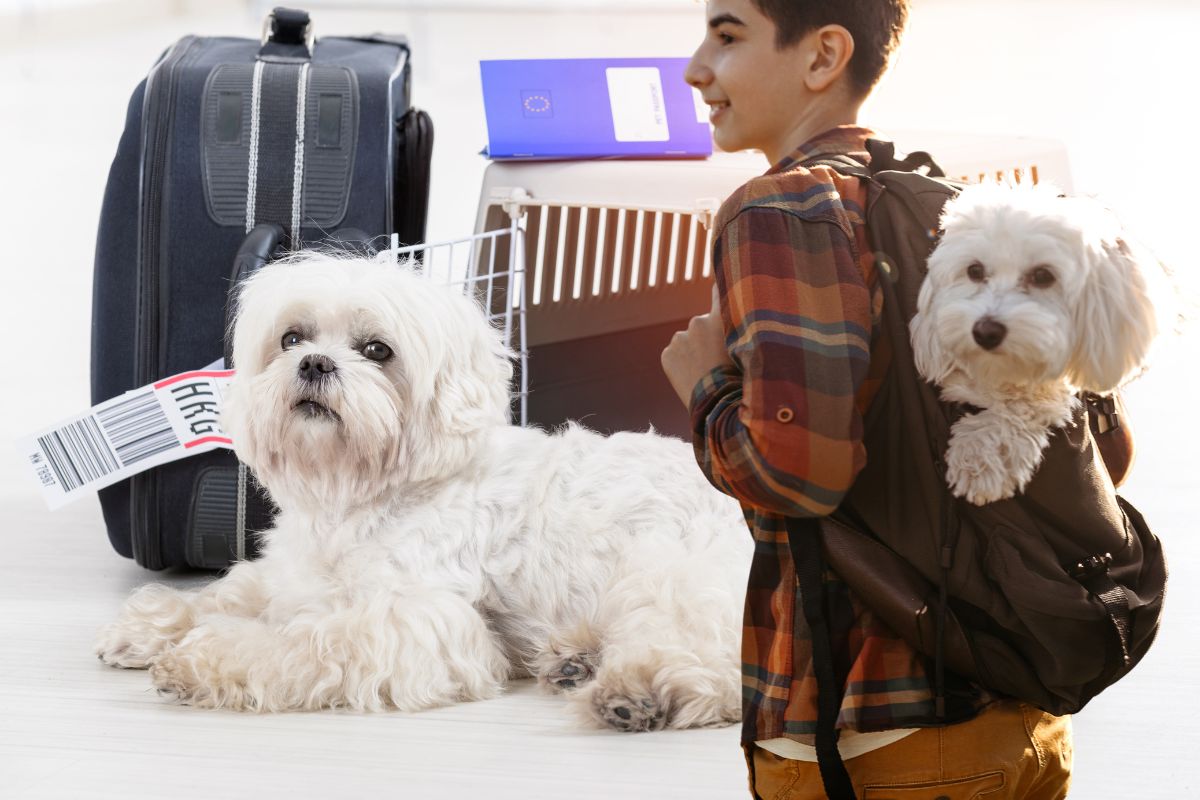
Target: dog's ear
<point x="464" y="394"/>
<point x="1116" y="318"/>
<point x="931" y="359"/>
<point x="472" y="385"/>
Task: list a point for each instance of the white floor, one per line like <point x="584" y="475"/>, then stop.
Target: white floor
<point x="72" y="728"/>
<point x="1113" y="84"/>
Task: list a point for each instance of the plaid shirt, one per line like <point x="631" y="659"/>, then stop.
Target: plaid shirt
<point x="781" y="430"/>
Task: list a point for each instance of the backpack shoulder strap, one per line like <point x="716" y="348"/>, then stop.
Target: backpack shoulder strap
<point x="903" y="220"/>
<point x="904" y="205"/>
<point x="843" y="164"/>
<point x="900" y="202"/>
<point x="804" y="539"/>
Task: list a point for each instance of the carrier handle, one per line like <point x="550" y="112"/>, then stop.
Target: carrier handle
<point x="883" y="157"/>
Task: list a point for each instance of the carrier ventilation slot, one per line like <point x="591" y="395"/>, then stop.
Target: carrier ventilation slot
<point x="1012" y="175"/>
<point x="579" y="253"/>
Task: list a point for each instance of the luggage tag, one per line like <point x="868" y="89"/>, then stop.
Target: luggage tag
<point x="166" y="421"/>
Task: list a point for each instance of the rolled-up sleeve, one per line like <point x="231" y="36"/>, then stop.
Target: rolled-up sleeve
<point x="780" y="429"/>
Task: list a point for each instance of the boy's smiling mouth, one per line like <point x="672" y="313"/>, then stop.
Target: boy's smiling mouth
<point x="715" y="108"/>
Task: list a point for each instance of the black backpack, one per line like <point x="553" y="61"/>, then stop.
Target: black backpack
<point x="1048" y="597"/>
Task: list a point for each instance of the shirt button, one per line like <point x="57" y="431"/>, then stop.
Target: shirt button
<point x="785" y="415"/>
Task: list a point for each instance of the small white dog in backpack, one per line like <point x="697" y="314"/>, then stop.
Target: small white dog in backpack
<point x="1030" y="299"/>
<point x="426" y="550"/>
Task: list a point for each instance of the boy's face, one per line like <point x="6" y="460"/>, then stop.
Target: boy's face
<point x="756" y="93"/>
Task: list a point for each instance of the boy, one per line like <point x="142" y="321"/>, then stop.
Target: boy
<point x="777" y="378"/>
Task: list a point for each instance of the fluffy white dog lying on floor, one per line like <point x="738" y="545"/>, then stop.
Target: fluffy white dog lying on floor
<point x="425" y="550"/>
<point x="1030" y="298"/>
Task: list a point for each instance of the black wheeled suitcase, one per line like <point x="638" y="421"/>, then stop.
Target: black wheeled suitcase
<point x="296" y="139"/>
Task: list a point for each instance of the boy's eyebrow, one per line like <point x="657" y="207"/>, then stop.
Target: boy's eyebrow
<point x="721" y="19"/>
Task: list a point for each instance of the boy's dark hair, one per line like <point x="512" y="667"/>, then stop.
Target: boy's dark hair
<point x="876" y="26"/>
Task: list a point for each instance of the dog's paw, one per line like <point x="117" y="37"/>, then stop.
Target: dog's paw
<point x="570" y="673"/>
<point x="978" y="461"/>
<point x="570" y="659"/>
<point x="153" y="619"/>
<point x="981" y="477"/>
<point x="196" y="673"/>
<point x="1023" y="455"/>
<point x="992" y="456"/>
<point x="175" y="678"/>
<point x="126" y="645"/>
<point x="628" y="714"/>
<point x="979" y="482"/>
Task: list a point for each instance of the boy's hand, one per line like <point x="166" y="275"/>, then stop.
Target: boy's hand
<point x="694" y="353"/>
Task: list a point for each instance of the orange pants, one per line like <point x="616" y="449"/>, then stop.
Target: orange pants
<point x="1009" y="751"/>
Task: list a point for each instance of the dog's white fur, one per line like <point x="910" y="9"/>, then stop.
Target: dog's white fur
<point x="1090" y="330"/>
<point x="425" y="550"/>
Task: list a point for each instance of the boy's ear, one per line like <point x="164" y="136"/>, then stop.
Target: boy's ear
<point x="830" y="49"/>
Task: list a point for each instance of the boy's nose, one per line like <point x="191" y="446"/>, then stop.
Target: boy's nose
<point x="697" y="74"/>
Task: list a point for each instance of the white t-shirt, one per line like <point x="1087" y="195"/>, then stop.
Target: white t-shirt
<point x="850" y="744"/>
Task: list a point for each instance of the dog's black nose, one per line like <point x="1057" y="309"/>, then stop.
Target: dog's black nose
<point x="313" y="368"/>
<point x="989" y="333"/>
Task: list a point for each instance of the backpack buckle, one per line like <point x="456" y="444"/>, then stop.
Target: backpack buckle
<point x="1091" y="567"/>
<point x="1104" y="408"/>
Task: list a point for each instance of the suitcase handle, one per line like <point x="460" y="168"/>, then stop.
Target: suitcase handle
<point x="285" y="31"/>
<point x="254" y="509"/>
<point x="257" y="249"/>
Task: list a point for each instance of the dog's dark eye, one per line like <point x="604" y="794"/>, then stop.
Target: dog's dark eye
<point x="1041" y="277"/>
<point x="377" y="351"/>
<point x="977" y="273"/>
<point x="290" y="339"/>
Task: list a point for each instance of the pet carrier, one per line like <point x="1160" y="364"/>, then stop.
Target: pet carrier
<point x="613" y="257"/>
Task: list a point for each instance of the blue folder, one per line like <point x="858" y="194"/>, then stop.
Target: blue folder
<point x="593" y="108"/>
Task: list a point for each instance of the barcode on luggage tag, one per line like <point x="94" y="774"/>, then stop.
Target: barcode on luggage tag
<point x="166" y="421"/>
<point x="78" y="453"/>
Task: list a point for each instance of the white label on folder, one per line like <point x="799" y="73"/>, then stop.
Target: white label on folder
<point x="638" y="109"/>
<point x="168" y="420"/>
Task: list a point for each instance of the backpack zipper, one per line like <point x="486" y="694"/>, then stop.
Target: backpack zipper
<point x="156" y="139"/>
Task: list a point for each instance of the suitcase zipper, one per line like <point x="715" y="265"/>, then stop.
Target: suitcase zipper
<point x="156" y="113"/>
